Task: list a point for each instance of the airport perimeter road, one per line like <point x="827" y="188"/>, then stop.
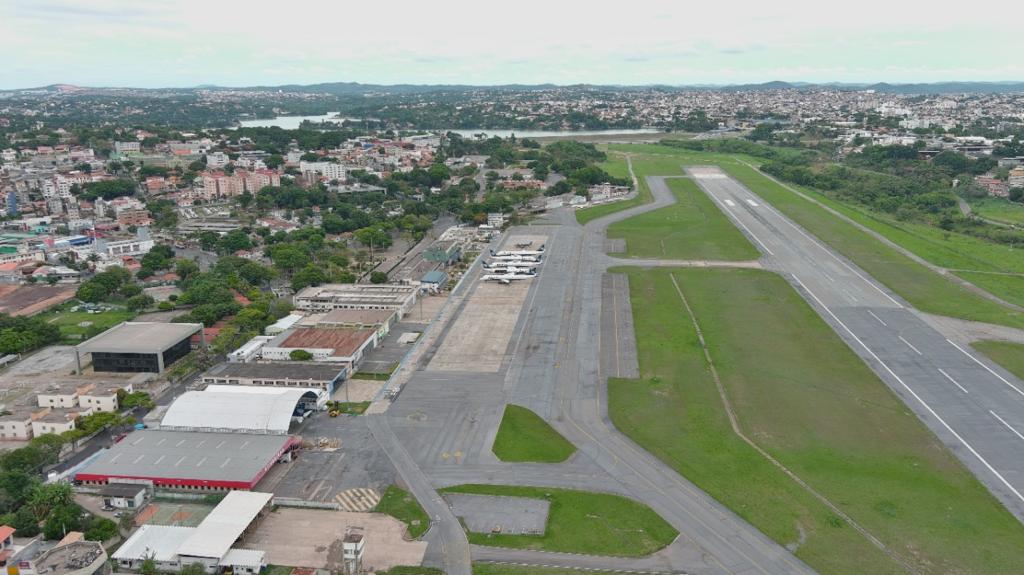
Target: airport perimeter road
<point x="974" y="406"/>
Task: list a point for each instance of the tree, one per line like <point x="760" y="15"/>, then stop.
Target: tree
<point x="92" y="292"/>
<point x="101" y="529"/>
<point x="139" y="302"/>
<point x="378" y="277"/>
<point x="311" y="275"/>
<point x="185" y="268"/>
<point x="25" y="522"/>
<point x="300" y="355"/>
<point x="148" y="566"/>
<point x="245" y="199"/>
<point x="62" y="520"/>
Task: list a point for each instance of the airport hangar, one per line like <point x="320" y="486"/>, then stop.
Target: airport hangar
<point x="139" y="347"/>
<point x="222" y="438"/>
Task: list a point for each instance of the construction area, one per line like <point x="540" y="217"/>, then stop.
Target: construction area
<point x="478" y="339"/>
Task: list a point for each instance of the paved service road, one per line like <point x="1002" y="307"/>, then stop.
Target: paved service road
<point x="975" y="407"/>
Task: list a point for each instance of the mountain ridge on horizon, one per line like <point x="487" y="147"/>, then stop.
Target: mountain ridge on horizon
<point x="357" y="88"/>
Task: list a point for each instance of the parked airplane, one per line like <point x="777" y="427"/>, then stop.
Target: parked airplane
<point x="509" y="270"/>
<point x="515" y="258"/>
<point x="536" y="252"/>
<point x="507" y="278"/>
<point x="489" y="265"/>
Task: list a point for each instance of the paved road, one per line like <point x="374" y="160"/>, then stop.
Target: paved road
<point x="975" y="407"/>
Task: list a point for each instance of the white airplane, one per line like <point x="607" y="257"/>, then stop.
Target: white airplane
<point x="507" y="278"/>
<point x="513" y="263"/>
<point x="536" y="252"/>
<point x="509" y="270"/>
<point x="515" y="258"/>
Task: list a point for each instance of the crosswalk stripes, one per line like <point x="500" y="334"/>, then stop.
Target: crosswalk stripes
<point x="358" y="499"/>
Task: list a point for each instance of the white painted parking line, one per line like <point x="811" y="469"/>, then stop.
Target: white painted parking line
<point x="878" y="318"/>
<point x="924" y="404"/>
<point x="730" y="203"/>
<point x="1008" y="426"/>
<point x="955" y="382"/>
<point x="911" y="346"/>
<point x="752" y="203"/>
<point x="987" y="368"/>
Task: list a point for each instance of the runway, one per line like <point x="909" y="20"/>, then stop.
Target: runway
<point x="974" y="406"/>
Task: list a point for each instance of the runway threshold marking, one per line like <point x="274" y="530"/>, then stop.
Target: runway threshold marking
<point x="910" y="345"/>
<point x="950" y="378"/>
<point x="1008" y="426"/>
<point x="913" y="393"/>
<point x="877" y="318"/>
<point x="743" y="225"/>
<point x="987" y="368"/>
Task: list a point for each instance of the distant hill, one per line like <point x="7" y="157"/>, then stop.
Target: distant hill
<point x="357" y="89"/>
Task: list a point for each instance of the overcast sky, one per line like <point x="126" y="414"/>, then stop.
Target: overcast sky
<point x="157" y="43"/>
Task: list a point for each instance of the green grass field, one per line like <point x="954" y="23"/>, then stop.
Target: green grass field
<point x="693" y="228"/>
<point x="833" y="423"/>
<point x="401" y="505"/>
<point x="581" y="522"/>
<point x="999" y="210"/>
<point x="70" y="326"/>
<point x="1007" y="354"/>
<point x="524" y="436"/>
<point x="923" y="288"/>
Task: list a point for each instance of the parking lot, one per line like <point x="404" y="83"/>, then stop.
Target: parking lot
<point x="312" y="538"/>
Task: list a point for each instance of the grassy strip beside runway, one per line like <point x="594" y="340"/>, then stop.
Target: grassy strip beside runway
<point x="524" y="437"/>
<point x="923" y="288"/>
<point x="401" y="505"/>
<point x="692" y="228"/>
<point x="500" y="569"/>
<point x="1007" y="354"/>
<point x="802" y="395"/>
<point x="581" y="522"/>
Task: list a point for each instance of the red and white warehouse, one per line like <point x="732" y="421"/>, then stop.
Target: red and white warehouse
<point x="190" y="460"/>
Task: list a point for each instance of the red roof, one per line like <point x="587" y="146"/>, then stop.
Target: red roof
<point x="5" y="532"/>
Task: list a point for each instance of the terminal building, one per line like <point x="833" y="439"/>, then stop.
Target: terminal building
<point x="139" y="347"/>
<point x="328" y="297"/>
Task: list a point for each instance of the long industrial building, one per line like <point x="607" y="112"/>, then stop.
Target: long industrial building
<point x="241" y="409"/>
<point x="188" y="460"/>
<point x="138" y="347"/>
<point x="328" y="297"/>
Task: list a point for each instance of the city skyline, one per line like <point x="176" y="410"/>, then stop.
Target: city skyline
<point x="185" y="44"/>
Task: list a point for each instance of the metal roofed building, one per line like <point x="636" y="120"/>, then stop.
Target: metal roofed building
<point x="342" y="346"/>
<point x="212" y="539"/>
<point x="136" y="347"/>
<point x="357" y="296"/>
<point x="192" y="461"/>
<point x="320" y="376"/>
<point x="238" y="409"/>
<point x="208" y="544"/>
<point x="159" y="542"/>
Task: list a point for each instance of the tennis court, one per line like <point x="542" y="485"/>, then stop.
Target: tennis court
<point x="182" y="514"/>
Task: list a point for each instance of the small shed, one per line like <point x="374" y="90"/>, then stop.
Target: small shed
<point x="123" y="495"/>
<point x="434" y="281"/>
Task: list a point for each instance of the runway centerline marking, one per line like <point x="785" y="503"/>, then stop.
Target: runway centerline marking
<point x="1008" y="426"/>
<point x="752" y="203"/>
<point x="730" y="203"/>
<point x="950" y="378"/>
<point x="913" y="393"/>
<point x="878" y="318"/>
<point x="987" y="368"/>
<point x="910" y="345"/>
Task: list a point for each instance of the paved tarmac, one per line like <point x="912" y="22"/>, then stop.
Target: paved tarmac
<point x="974" y="406"/>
